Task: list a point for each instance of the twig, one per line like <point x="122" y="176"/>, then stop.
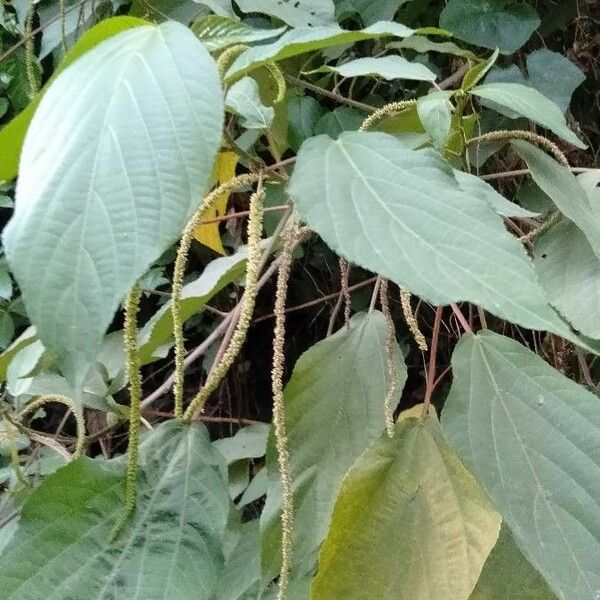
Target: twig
<point x="328" y="94"/>
<point x="320" y="300"/>
<point x="461" y="318"/>
<point x="517" y="172"/>
<point x="432" y="360"/>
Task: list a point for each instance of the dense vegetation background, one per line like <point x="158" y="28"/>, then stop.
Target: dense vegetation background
<point x="550" y="46"/>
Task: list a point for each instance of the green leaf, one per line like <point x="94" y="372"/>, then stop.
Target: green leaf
<point x="222" y="8"/>
<point x="524" y="101"/>
<point x="389" y="67"/>
<point x="371" y="12"/>
<point x="195" y="295"/>
<point x="63" y="550"/>
<point x="478" y="72"/>
<point x="217" y="32"/>
<point x="565" y="190"/>
<point x="502" y="24"/>
<point x="508" y="574"/>
<point x="243" y="98"/>
<point x="302" y="40"/>
<point x="13" y="133"/>
<point x="113" y="171"/>
<point x="435" y="112"/>
<point x="241" y="578"/>
<point x="530" y="437"/>
<point x="341" y="382"/>
<point x="473" y="185"/>
<point x="7" y="329"/>
<point x="4" y="104"/>
<point x="298" y="13"/>
<point x="421" y="44"/>
<point x="410" y="523"/>
<point x="27" y="338"/>
<point x="303" y="114"/>
<point x="401" y="213"/>
<point x="6" y="285"/>
<point x="569" y="271"/>
<point x="342" y="118"/>
<point x="550" y="73"/>
<point x="248" y="442"/>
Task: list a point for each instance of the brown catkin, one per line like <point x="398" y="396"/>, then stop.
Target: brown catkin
<point x="344" y="278"/>
<point x="390" y="351"/>
<point x="411" y="321"/>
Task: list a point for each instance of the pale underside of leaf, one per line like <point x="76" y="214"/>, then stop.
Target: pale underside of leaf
<point x="530" y="437"/>
<point x="402" y="214"/>
<point x="111" y="169"/>
<point x="307" y="39"/>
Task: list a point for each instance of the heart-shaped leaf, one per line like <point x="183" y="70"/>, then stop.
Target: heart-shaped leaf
<point x="110" y="172"/>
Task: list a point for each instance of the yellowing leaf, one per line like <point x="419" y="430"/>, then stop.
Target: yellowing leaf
<point x="208" y="233"/>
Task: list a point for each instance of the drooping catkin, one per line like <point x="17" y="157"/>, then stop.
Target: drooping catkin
<point x="344" y="277"/>
<point x="71" y="404"/>
<point x="246" y="307"/>
<point x="135" y="396"/>
<point x="385" y="111"/>
<point x="390" y="351"/>
<point x="227" y="57"/>
<point x="411" y="320"/>
<point x="281" y="442"/>
<point x="30" y="54"/>
<point x="518" y="134"/>
<point x="235" y="184"/>
<point x="277" y="75"/>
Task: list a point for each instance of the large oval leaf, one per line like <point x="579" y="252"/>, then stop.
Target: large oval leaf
<point x="493" y="24"/>
<point x="410" y="523"/>
<point x="172" y="548"/>
<point x="308" y="39"/>
<point x="340" y="382"/>
<point x="116" y="158"/>
<point x="514" y="100"/>
<point x="13" y="133"/>
<point x="402" y="213"/>
<point x="531" y="437"/>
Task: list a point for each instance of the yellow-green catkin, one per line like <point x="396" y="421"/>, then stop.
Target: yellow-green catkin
<point x="279" y="80"/>
<point x="287" y="507"/>
<point x="135" y="397"/>
<point x="227" y="57"/>
<point x="390" y="359"/>
<point x="386" y="111"/>
<point x="232" y="185"/>
<point x="411" y="321"/>
<point x="246" y="306"/>
<point x="517" y="134"/>
<point x="69" y="403"/>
